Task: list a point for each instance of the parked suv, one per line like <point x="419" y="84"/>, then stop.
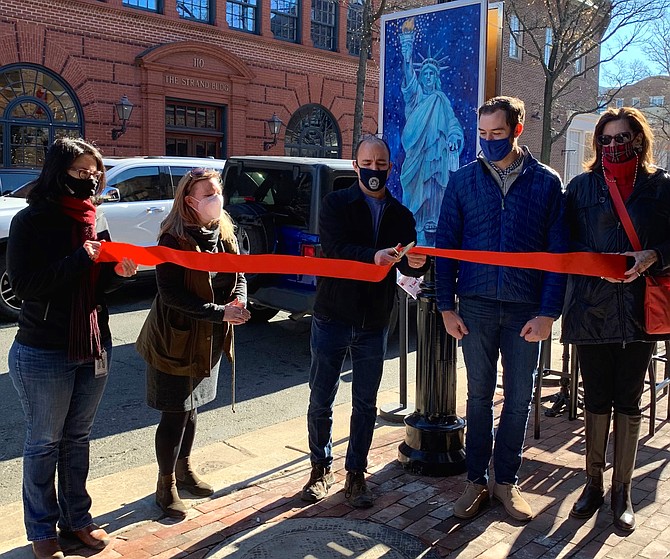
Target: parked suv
<point x="138" y="196"/>
<point x="275" y="202"/>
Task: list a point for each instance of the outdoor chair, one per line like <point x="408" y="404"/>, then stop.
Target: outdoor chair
<point x="658" y="388"/>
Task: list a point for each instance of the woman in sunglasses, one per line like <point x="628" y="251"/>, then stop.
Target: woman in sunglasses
<point x="62" y="352"/>
<point x="604" y="317"/>
<point x="188" y="329"/>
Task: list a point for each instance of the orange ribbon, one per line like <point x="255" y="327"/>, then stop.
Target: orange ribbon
<point x="583" y="263"/>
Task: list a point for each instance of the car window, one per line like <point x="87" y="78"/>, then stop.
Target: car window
<point x="139" y="184"/>
<point x="11" y="181"/>
<point x="343" y="182"/>
<point x="177" y="173"/>
<point x="288" y="193"/>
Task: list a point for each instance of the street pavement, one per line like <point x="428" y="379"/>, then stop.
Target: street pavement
<point x="259" y="475"/>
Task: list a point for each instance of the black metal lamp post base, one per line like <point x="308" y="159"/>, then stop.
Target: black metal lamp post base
<point x="433" y="448"/>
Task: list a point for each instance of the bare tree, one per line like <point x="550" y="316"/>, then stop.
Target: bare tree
<point x="372" y="11"/>
<point x="657" y="46"/>
<point x="564" y="38"/>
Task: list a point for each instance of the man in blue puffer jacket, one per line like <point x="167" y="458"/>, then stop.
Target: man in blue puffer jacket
<point x="504" y="201"/>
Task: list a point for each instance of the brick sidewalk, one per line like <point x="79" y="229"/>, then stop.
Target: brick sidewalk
<point x="552" y="475"/>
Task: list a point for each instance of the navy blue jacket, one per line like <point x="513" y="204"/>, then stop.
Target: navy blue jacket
<point x="529" y="218"/>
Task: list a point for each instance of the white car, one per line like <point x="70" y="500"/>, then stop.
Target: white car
<point x="137" y="198"/>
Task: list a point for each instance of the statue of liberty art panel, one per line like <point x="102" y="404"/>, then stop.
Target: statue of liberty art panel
<point x="432" y="83"/>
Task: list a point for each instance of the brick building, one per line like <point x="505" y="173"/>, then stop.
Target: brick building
<point x="204" y="77"/>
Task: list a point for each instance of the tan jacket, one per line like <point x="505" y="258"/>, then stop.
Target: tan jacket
<point x="177" y="344"/>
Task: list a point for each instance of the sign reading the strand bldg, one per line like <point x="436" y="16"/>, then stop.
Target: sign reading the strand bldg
<point x="172" y="79"/>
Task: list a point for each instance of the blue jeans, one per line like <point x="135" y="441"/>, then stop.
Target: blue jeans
<point x="59" y="399"/>
<point x="330" y="341"/>
<point x="494" y="330"/>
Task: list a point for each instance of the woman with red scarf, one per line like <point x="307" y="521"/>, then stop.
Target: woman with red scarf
<point x="604" y="317"/>
<point x="60" y="358"/>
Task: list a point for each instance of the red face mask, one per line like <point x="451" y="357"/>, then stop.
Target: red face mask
<point x="619" y="153"/>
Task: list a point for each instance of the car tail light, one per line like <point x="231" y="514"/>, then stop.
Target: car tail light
<point x="311" y="250"/>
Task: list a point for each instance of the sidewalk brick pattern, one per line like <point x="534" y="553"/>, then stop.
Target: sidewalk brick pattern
<point x="551" y="479"/>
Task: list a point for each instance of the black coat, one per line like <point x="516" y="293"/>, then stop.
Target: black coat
<point x="45" y="270"/>
<point x="346" y="231"/>
<point x="597" y="311"/>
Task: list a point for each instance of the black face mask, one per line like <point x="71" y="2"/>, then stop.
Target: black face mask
<point x="80" y="188"/>
<point x="373" y="180"/>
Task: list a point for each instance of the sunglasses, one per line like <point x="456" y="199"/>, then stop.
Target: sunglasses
<point x="198" y="172"/>
<point x="606" y="139"/>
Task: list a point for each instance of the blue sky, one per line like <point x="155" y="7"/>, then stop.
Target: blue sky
<point x="628" y="56"/>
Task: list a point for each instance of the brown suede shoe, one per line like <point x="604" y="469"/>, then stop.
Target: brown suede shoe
<point x="92" y="536"/>
<point x="47" y="549"/>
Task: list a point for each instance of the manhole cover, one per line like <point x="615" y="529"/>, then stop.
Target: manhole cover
<point x="322" y="538"/>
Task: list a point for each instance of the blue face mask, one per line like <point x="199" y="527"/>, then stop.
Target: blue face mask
<point x="495" y="150"/>
<point x="373" y="180"/>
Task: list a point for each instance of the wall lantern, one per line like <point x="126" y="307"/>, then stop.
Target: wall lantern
<point x="124" y="108"/>
<point x="274" y="125"/>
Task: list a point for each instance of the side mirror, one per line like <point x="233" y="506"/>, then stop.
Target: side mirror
<point x="110" y="194"/>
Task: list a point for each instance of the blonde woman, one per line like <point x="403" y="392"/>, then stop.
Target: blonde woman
<point x="188" y="330"/>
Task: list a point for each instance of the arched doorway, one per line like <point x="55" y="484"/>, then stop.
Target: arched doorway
<point x="313" y="132"/>
<point x="36" y="107"/>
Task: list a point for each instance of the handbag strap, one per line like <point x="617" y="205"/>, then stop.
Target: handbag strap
<point x="623" y="215"/>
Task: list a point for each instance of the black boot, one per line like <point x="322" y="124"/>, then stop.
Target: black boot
<point x="592" y="497"/>
<point x="167" y="497"/>
<point x="188" y="480"/>
<point x="626" y="434"/>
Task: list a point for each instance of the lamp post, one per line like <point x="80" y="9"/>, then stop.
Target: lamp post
<point x="124" y="108"/>
<point x="274" y="125"/>
<point x="434" y="434"/>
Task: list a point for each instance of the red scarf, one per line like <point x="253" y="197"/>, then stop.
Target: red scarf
<point x="622" y="175"/>
<point x="84" y="338"/>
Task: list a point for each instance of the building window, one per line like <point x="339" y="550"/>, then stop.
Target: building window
<point x="515" y="38"/>
<point x="242" y="15"/>
<point x="36" y="107"/>
<point x="324" y="26"/>
<point x="150" y="5"/>
<point x="285" y="20"/>
<point x="197" y="10"/>
<point x="312" y="132"/>
<point x="194" y="130"/>
<point x="548" y="43"/>
<point x="656" y="101"/>
<point x="618" y="103"/>
<point x="354" y="26"/>
<point x="635" y="102"/>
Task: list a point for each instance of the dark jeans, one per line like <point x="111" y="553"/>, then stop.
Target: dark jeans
<point x="59" y="399"/>
<point x="494" y="329"/>
<point x="330" y="342"/>
<point x="613" y="376"/>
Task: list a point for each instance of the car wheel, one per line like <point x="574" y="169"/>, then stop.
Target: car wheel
<point x="259" y="313"/>
<point x="10" y="304"/>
